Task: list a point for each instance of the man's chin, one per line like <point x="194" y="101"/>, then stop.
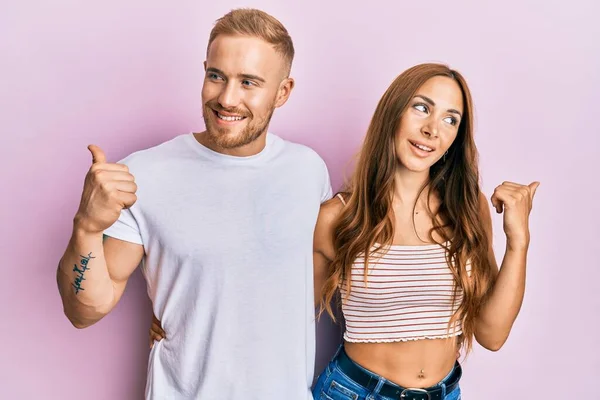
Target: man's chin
<point x="228" y="139"/>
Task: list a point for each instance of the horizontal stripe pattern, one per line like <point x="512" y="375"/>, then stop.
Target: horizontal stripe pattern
<point x="408" y="295"/>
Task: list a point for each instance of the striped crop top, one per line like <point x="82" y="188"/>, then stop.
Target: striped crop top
<point x="407" y="296"/>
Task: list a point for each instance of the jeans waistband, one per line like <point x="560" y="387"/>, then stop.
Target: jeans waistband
<point x="369" y="380"/>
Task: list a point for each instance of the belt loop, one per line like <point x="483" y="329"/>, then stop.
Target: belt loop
<point x="337" y="352"/>
<point x="375" y="392"/>
<point x="443" y="386"/>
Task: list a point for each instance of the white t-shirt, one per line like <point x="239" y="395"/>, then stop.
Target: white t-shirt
<point x="228" y="262"/>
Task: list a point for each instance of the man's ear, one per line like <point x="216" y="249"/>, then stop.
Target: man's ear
<point x="285" y="89"/>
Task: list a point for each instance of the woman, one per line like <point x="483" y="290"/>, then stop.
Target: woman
<point x="429" y="283"/>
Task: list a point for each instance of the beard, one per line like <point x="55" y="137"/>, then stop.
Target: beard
<point x="224" y="137"/>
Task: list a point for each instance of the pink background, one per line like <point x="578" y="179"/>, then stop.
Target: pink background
<point x="127" y="75"/>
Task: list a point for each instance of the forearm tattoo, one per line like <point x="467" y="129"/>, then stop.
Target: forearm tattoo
<point x="81" y="269"/>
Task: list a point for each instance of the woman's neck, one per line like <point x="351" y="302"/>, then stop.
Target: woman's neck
<point x="408" y="186"/>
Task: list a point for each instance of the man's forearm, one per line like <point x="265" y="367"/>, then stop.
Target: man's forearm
<point x="84" y="283"/>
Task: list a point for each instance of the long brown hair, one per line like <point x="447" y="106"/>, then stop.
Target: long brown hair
<point x="368" y="218"/>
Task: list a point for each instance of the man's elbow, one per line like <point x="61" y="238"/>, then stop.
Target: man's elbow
<point x="79" y="324"/>
<point x="77" y="321"/>
<point x="84" y="320"/>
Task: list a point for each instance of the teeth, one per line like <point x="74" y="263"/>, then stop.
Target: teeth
<point x="230" y="119"/>
<point x="424" y="148"/>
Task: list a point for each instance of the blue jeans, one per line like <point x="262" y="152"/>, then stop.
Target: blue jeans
<point x="334" y="384"/>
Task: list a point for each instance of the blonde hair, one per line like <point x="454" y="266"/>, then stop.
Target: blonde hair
<point x="256" y="23"/>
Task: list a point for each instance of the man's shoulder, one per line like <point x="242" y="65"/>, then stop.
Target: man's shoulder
<point x="302" y="151"/>
<point x="155" y="154"/>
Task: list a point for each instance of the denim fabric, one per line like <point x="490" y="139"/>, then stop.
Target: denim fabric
<point x="333" y="384"/>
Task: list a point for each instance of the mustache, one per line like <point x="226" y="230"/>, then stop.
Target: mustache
<point x="213" y="105"/>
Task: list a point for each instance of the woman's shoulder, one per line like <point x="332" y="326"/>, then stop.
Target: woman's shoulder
<point x="329" y="214"/>
<point x="332" y="208"/>
<point x="328" y="217"/>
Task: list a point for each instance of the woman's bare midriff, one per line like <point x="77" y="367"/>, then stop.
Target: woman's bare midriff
<point x="415" y="364"/>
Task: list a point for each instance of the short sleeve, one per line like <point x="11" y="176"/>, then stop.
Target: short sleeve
<point x="125" y="228"/>
<point x="326" y="192"/>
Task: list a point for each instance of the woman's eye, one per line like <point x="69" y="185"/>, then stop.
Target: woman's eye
<point x="451" y="120"/>
<point x="420" y="107"/>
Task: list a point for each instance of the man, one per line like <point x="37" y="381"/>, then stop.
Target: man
<point x="222" y="222"/>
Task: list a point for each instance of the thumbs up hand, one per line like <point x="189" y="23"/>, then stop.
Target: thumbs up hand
<point x="108" y="189"/>
<point x="516" y="201"/>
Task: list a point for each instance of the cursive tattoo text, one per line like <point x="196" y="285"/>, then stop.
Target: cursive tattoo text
<point x="80" y="269"/>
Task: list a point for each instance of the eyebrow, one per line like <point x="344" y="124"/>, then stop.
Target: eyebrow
<point x="242" y="76"/>
<point x="428" y="100"/>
